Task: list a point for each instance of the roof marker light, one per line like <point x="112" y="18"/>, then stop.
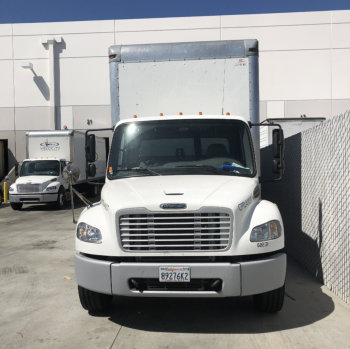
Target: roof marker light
<point x="135" y="116"/>
<point x="228" y="114"/>
<point x="161" y="114"/>
<point x="200" y="113"/>
<point x="180" y="113"/>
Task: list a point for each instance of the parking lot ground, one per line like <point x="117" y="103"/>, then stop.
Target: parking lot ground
<point x="40" y="307"/>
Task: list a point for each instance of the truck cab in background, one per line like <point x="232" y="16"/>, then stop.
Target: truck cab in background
<point x="181" y="213"/>
<point x="39" y="181"/>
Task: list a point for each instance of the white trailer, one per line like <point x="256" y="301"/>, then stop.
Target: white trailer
<point x="180" y="212"/>
<point x="48" y="152"/>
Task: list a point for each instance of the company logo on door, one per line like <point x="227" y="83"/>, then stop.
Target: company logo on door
<point x="50" y="146"/>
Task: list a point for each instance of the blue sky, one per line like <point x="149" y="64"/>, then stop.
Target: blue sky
<point x="17" y="11"/>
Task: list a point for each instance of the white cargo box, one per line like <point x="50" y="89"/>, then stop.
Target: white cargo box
<point x="212" y="78"/>
<point x="55" y="145"/>
<point x="68" y="145"/>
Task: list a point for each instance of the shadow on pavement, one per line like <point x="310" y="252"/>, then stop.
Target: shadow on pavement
<point x="52" y="206"/>
<point x="305" y="303"/>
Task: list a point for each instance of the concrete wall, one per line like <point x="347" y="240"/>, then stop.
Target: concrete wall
<point x="314" y="199"/>
<point x="304" y="65"/>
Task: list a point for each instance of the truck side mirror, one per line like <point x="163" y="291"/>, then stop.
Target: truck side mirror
<point x="278" y="151"/>
<point x="16" y="169"/>
<point x="91" y="148"/>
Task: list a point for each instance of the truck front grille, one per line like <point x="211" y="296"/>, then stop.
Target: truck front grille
<point x="175" y="231"/>
<point x="28" y="188"/>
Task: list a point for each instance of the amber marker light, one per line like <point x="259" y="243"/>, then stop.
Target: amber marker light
<point x="135" y="116"/>
<point x="180" y="113"/>
<point x="273" y="228"/>
<point x="200" y="113"/>
<point x="228" y="114"/>
<point x="161" y="114"/>
<point x="110" y="169"/>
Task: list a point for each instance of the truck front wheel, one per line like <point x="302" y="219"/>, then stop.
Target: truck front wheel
<point x="271" y="301"/>
<point x="94" y="302"/>
<point x="16" y="205"/>
<point x="61" y="198"/>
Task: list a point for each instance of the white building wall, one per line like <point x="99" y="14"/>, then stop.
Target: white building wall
<point x="304" y="65"/>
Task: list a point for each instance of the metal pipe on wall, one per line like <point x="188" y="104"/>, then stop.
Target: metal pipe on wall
<point x="50" y="44"/>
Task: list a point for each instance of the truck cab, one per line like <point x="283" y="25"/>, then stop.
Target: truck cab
<point x="181" y="216"/>
<point x="40" y="180"/>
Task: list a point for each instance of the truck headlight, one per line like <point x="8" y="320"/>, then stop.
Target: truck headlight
<point x="88" y="233"/>
<point x="12" y="188"/>
<point x="268" y="231"/>
<point x="53" y="188"/>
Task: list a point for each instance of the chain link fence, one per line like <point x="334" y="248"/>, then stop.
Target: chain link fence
<point x="314" y="199"/>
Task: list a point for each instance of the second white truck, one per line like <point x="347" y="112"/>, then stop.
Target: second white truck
<point x="41" y="173"/>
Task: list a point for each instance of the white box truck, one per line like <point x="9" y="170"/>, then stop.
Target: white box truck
<point x="47" y="153"/>
<point x="180" y="212"/>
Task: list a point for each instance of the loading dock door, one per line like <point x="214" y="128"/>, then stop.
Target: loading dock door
<point x="3" y="158"/>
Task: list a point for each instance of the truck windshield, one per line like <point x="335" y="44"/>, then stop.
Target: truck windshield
<point x="40" y="168"/>
<point x="169" y="147"/>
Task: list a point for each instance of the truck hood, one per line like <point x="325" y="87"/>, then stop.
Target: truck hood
<point x="44" y="180"/>
<point x="195" y="191"/>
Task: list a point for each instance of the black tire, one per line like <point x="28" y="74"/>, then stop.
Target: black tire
<point x="271" y="301"/>
<point x="61" y="198"/>
<point x="94" y="302"/>
<point x="16" y="205"/>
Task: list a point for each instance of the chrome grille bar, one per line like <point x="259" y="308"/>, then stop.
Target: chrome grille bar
<point x="182" y="245"/>
<point x="176" y="223"/>
<point x="166" y="240"/>
<point x="174" y="234"/>
<point x="155" y="229"/>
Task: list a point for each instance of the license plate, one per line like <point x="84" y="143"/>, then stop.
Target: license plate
<point x="174" y="274"/>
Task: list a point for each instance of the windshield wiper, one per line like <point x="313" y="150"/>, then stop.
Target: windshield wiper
<point x="140" y="169"/>
<point x="210" y="167"/>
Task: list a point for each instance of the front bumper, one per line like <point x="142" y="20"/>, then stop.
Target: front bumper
<point x="238" y="279"/>
<point x="33" y="198"/>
